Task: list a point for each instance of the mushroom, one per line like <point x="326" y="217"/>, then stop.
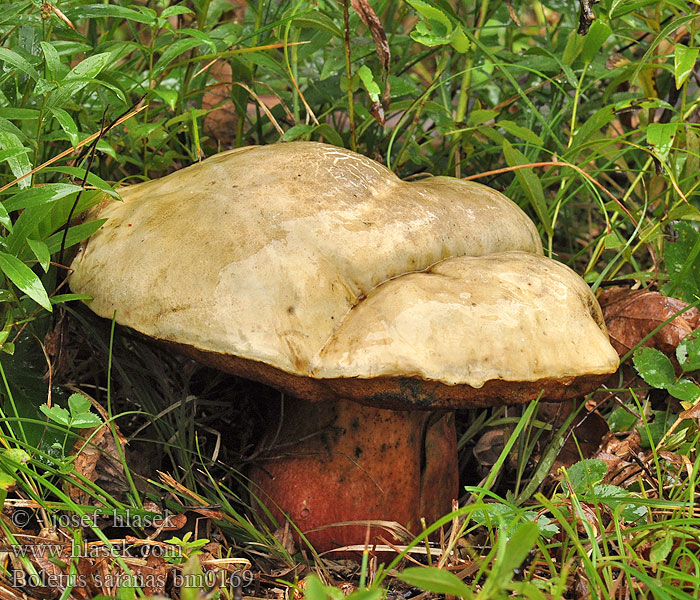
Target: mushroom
<point x="379" y="306"/>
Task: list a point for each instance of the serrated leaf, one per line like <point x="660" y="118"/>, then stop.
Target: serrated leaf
<point x="530" y="184"/>
<point x="654" y="367"/>
<point x="56" y="414"/>
<point x="586" y="474"/>
<point x="78" y="404"/>
<point x="85" y="420"/>
<point x="437" y="581"/>
<point x="25" y="279"/>
<point x="684" y="59"/>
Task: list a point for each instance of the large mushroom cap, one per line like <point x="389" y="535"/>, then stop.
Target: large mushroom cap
<point x="317" y="270"/>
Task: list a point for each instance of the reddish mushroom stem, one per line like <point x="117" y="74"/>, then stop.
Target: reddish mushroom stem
<point x="345" y="462"/>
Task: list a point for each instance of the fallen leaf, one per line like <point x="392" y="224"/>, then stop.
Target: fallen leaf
<point x="631" y="315"/>
<point x="99" y="462"/>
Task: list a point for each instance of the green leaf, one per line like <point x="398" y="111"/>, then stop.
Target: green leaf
<point x="688" y="352"/>
<point x="37" y="196"/>
<point x="11" y="57"/>
<point x="52" y="59"/>
<point x="660" y="137"/>
<point x="682" y="260"/>
<point x="67" y="124"/>
<point x="76" y="234"/>
<point x="78" y="404"/>
<point x="369" y="83"/>
<point x="516" y="550"/>
<point x="174" y="51"/>
<point x="586" y="474"/>
<point x="530" y="184"/>
<point x="56" y="414"/>
<point x="90" y="67"/>
<point x="594" y="40"/>
<point x="683" y="63"/>
<point x="654" y="367"/>
<point x="5" y="220"/>
<point x="41" y="252"/>
<point x="25" y="279"/>
<point x="19" y="163"/>
<point x="685" y="390"/>
<point x="661" y="548"/>
<point x="519" y="131"/>
<point x="108" y="10"/>
<point x="434" y="28"/>
<point x="437" y="581"/>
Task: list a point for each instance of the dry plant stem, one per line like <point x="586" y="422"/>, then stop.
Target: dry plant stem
<point x="362" y="464"/>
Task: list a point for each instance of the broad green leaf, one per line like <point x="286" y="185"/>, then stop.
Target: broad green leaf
<point x="369" y="83"/>
<point x="78" y="404"/>
<point x="434" y="28"/>
<point x="594" y="40"/>
<point x="437" y="581"/>
<point x="621" y="420"/>
<point x="661" y="548"/>
<point x="25" y="279"/>
<point x="56" y="414"/>
<point x="530" y="184"/>
<point x="683" y="63"/>
<point x="89" y="67"/>
<point x="168" y="96"/>
<point x="660" y="137"/>
<point x="13" y="152"/>
<point x="85" y="420"/>
<point x="11" y="57"/>
<point x="688" y="352"/>
<point x="685" y="390"/>
<point x="41" y="252"/>
<point x="586" y="474"/>
<point x="19" y="163"/>
<point x="519" y="131"/>
<point x="654" y="367"/>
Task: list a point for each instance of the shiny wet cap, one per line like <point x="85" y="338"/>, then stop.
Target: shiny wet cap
<point x="316" y="270"/>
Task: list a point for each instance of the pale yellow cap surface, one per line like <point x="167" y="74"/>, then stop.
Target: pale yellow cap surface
<point x="303" y="256"/>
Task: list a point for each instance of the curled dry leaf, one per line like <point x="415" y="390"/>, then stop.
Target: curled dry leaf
<point x="631" y="315"/>
<point x="99" y="462"/>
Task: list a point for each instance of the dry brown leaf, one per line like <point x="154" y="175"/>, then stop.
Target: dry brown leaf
<point x="631" y="315"/>
<point x="99" y="462"/>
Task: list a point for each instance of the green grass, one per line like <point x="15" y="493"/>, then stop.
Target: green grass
<point x="94" y="94"/>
